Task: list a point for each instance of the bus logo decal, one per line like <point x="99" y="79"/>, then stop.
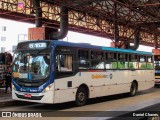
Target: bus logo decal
<point x="99" y="76"/>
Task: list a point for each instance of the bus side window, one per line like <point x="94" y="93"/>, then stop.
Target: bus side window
<point x="111" y="60"/>
<point x="149" y="62"/>
<point x="133" y="61"/>
<point x="142" y="62"/>
<point x="97" y="60"/>
<point x="64" y="62"/>
<point x="83" y="57"/>
<point x="122" y="61"/>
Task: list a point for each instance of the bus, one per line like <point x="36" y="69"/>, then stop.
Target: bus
<point x="47" y="71"/>
<point x="156" y="54"/>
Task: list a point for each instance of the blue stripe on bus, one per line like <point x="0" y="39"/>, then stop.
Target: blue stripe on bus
<point x="125" y="50"/>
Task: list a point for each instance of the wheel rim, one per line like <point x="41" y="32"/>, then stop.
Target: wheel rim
<point x="81" y="97"/>
<point x="133" y="89"/>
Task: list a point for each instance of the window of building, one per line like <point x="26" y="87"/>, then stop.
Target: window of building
<point x="3" y="49"/>
<point x="3" y="38"/>
<point x="3" y="28"/>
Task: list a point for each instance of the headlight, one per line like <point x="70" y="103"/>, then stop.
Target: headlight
<point x="47" y="88"/>
<point x="13" y="87"/>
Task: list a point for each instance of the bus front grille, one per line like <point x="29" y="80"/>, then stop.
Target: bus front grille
<point x="29" y="83"/>
<point x="30" y="98"/>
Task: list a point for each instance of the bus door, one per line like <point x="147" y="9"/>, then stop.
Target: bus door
<point x="64" y="72"/>
<point x="65" y="65"/>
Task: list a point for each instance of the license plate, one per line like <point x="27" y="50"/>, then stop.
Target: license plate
<point x="28" y="95"/>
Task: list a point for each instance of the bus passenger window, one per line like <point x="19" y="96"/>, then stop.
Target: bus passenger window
<point x="142" y="62"/>
<point x="83" y="56"/>
<point x="97" y="61"/>
<point x="149" y="62"/>
<point x="64" y="63"/>
<point x="133" y="61"/>
<point x="122" y="61"/>
<point x="111" y="60"/>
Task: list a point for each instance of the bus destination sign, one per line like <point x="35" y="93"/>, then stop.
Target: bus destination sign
<point x="37" y="45"/>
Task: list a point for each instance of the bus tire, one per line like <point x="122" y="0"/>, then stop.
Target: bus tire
<point x="81" y="96"/>
<point x="133" y="89"/>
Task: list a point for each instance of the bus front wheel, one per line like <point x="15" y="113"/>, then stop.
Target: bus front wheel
<point x="133" y="89"/>
<point x="81" y="96"/>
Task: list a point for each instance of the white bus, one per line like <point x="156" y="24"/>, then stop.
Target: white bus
<point x="156" y="55"/>
<point x="57" y="71"/>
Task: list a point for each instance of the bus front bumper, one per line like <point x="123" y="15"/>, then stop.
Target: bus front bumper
<point x="46" y="97"/>
<point x="157" y="81"/>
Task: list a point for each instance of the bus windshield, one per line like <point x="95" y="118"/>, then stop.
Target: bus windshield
<point x="157" y="62"/>
<point x="31" y="65"/>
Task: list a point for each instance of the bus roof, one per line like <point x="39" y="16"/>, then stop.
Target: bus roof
<point x="86" y="45"/>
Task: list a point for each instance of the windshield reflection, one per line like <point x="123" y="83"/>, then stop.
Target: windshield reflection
<point x="31" y="66"/>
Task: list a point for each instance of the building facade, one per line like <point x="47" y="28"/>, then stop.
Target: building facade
<point x="12" y="32"/>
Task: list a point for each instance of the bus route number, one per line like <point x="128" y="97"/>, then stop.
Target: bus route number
<point x="37" y="45"/>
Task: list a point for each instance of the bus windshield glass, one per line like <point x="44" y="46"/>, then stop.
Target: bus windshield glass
<point x="30" y="65"/>
<point x="157" y="62"/>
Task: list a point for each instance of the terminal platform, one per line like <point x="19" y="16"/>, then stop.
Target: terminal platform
<point x="5" y="98"/>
